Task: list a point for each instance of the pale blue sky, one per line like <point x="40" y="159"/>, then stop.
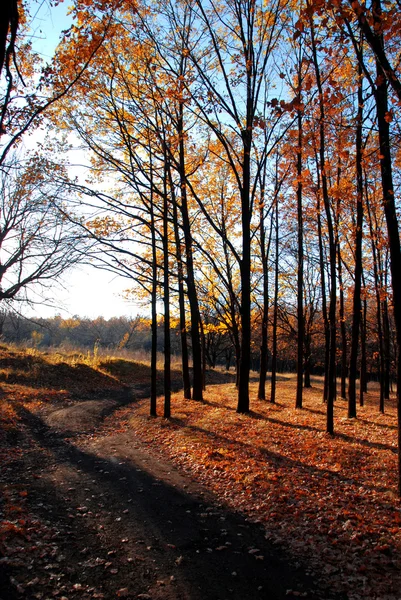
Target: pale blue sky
<point x="86" y="292"/>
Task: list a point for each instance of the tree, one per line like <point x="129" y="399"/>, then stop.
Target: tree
<point x="8" y="32"/>
<point x="37" y="244"/>
<point x="356" y="312"/>
<point x="231" y="59"/>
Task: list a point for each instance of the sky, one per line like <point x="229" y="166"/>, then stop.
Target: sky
<point x="84" y="291"/>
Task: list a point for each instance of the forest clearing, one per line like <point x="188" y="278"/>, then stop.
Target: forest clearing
<point x="321" y="516"/>
<point x="237" y="164"/>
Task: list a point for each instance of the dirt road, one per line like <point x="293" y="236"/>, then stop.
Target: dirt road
<point x="102" y="516"/>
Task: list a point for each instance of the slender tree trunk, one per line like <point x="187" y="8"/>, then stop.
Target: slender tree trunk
<point x="153" y="359"/>
<point x="275" y="310"/>
<point x="381" y="354"/>
<point x="203" y="346"/>
<point x="324" y="294"/>
<point x="265" y="251"/>
<point x="341" y="311"/>
<point x="386" y="342"/>
<point x="181" y="301"/>
<point x="300" y="270"/>
<point x="386" y="328"/>
<point x="245" y="268"/>
<point x="344" y="365"/>
<point x="192" y="293"/>
<point x="166" y="294"/>
<point x="363" y="378"/>
<point x="237" y="362"/>
<point x="332" y="246"/>
<point x="378" y="291"/>
<point x="356" y="303"/>
<point x="228" y="356"/>
<point x="263" y="345"/>
<point x="381" y="97"/>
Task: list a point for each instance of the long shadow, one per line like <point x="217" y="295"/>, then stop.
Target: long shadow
<point x="344" y="436"/>
<point x="219" y="405"/>
<point x="299" y="426"/>
<point x="209" y="545"/>
<point x="280" y="460"/>
<point x="382" y="425"/>
<point x="259" y="416"/>
<point x="367" y="443"/>
<point x="313" y="411"/>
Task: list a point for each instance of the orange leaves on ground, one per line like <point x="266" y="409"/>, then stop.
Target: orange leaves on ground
<point x="332" y="501"/>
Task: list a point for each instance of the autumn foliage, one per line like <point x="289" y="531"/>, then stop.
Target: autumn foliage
<point x="243" y="175"/>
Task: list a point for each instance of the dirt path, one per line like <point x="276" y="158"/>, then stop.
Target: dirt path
<point x="106" y="518"/>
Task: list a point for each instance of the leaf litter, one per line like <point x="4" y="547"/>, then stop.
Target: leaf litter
<point x="332" y="501"/>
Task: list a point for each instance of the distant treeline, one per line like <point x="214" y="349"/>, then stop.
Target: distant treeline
<point x="134" y="335"/>
<point x="114" y="333"/>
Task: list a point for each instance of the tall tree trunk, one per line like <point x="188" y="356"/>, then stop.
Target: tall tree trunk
<point x="387" y="352"/>
<point x="181" y="301"/>
<point x="153" y="358"/>
<point x="341" y="310"/>
<point x="343" y="332"/>
<point x="245" y="268"/>
<point x="307" y="360"/>
<point x="378" y="292"/>
<point x="300" y="267"/>
<point x="203" y="346"/>
<point x="363" y="387"/>
<point x="381" y="97"/>
<point x="265" y="251"/>
<point x="166" y="294"/>
<point x="192" y="293"/>
<point x="356" y="302"/>
<point x="265" y="319"/>
<point x="331" y="386"/>
<point x="386" y="330"/>
<point x="275" y="310"/>
<point x="323" y="287"/>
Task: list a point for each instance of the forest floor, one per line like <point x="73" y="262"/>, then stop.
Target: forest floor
<point x="98" y="500"/>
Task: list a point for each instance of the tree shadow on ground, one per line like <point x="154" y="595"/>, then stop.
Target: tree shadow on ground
<point x="155" y="537"/>
<point x="276" y="460"/>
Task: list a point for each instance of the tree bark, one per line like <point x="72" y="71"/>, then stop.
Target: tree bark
<point x="192" y="293"/>
<point x="356" y="301"/>
<point x="181" y="302"/>
<point x="343" y="332"/>
<point x="275" y="310"/>
<point x="378" y="288"/>
<point x="245" y="268"/>
<point x="381" y="97"/>
<point x="363" y="387"/>
<point x="153" y="358"/>
<point x="331" y="386"/>
<point x="300" y="266"/>
<point x="166" y="302"/>
<point x="265" y="251"/>
<point x="324" y="293"/>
